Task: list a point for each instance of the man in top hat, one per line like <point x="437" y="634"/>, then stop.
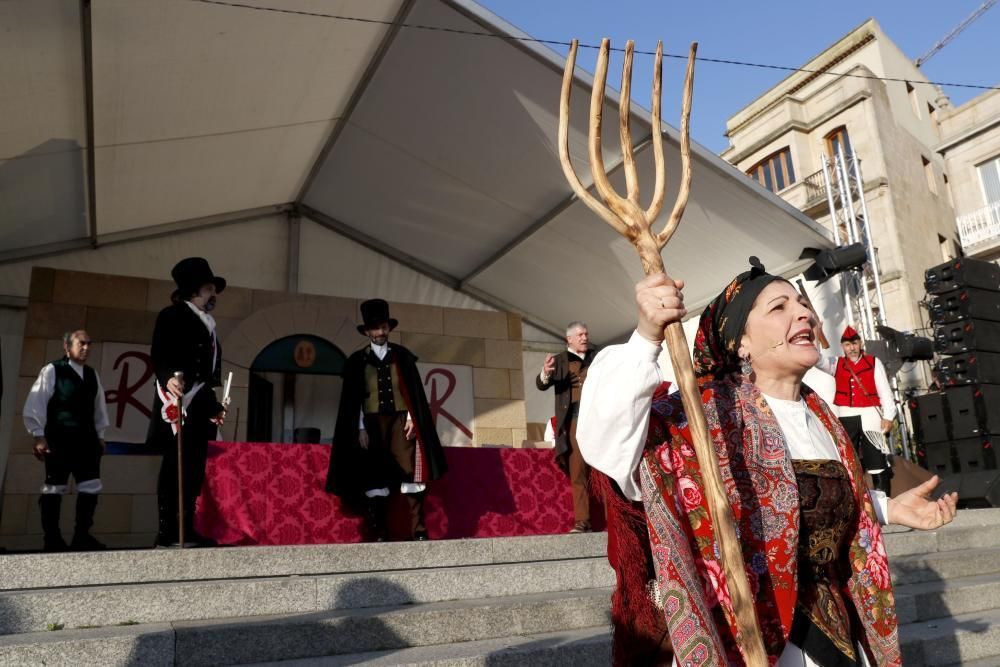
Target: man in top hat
<point x="66" y="413"/>
<point x="385" y="437"/>
<point x="567" y="372"/>
<point x="187" y="362"/>
<point x="863" y="393"/>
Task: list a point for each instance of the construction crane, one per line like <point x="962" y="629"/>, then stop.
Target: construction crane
<point x="954" y="33"/>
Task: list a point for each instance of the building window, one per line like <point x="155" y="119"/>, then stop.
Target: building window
<point x="837" y="141"/>
<point x="947" y="190"/>
<point x="914" y="103"/>
<point x="989" y="177"/>
<point x="775" y="172"/>
<point x="929" y="174"/>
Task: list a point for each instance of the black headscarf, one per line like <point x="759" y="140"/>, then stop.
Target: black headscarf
<point x="724" y="320"/>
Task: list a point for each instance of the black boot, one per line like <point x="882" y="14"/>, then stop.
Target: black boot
<point x="375" y="519"/>
<point x="166" y="535"/>
<point x="86" y="503"/>
<point x="191" y="536"/>
<point x="416" y="504"/>
<point x="49" y="504"/>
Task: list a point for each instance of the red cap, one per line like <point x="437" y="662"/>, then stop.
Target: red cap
<point x="849" y="334"/>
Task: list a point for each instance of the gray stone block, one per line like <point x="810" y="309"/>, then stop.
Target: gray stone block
<point x="206" y="643"/>
<point x="141" y="645"/>
<point x="939" y="566"/>
<point x="941" y="599"/>
<point x="32" y="611"/>
<point x="18" y="571"/>
<point x="590" y="647"/>
<point x="958" y="639"/>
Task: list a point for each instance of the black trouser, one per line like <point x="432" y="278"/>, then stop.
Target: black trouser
<point x="197" y="433"/>
<point x="391" y="459"/>
<point x="73" y="454"/>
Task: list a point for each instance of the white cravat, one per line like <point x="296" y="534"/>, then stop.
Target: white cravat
<point x="380" y="350"/>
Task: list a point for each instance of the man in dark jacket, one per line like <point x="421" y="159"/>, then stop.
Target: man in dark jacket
<point x="385" y="436"/>
<point x="187" y="361"/>
<point x="567" y="372"/>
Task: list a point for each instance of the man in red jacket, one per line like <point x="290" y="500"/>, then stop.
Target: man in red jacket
<point x="863" y="391"/>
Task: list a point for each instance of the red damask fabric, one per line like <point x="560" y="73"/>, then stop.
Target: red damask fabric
<point x="270" y="494"/>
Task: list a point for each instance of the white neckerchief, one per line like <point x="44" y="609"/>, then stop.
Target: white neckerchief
<point x="380" y="350"/>
<point x="805" y="436"/>
<point x="205" y="318"/>
<point x="76" y="367"/>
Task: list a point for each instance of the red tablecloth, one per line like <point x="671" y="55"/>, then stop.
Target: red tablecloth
<point x="266" y="493"/>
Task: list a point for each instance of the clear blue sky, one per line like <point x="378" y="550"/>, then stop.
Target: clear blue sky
<point x="779" y="33"/>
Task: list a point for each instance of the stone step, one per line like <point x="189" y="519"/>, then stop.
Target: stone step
<point x="960" y="639"/>
<point x="257" y="639"/>
<point x="33" y="610"/>
<point x="590" y="647"/>
<point x="20" y="571"/>
<point x="940" y="599"/>
<point x="906" y="542"/>
<point x="939" y="566"/>
<point x="971" y="529"/>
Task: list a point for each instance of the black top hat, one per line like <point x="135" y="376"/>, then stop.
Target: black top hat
<point x="193" y="272"/>
<point x="374" y="312"/>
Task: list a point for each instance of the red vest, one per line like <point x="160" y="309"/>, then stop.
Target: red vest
<point x="849" y="392"/>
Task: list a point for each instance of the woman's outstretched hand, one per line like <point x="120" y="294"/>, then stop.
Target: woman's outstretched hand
<point x="916" y="509"/>
<point x="660" y="303"/>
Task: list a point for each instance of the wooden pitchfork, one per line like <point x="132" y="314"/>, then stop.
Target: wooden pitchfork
<point x="629" y="219"/>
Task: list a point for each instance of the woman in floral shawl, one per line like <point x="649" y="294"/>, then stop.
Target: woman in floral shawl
<point x="808" y="527"/>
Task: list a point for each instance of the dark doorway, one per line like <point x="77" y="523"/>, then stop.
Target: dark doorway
<point x="295" y="387"/>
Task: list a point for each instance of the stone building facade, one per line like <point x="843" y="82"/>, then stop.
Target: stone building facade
<point x="970" y="146"/>
<point x="894" y="127"/>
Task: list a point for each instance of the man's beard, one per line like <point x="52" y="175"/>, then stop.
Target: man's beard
<point x="380" y="340"/>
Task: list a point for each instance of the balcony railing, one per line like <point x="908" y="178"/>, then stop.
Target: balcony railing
<point x="815" y="188"/>
<point x="979" y="226"/>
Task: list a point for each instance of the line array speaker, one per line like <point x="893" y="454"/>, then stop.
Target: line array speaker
<point x="962" y="272"/>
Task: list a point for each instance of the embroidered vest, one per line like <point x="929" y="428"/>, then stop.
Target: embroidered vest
<point x="71" y="408"/>
<point x="382" y="382"/>
<point x="849" y="392"/>
<point x="578" y="374"/>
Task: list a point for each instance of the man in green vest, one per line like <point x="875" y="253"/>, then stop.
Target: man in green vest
<point x="66" y="413"/>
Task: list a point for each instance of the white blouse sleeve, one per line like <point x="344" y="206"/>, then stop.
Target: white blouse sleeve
<point x="614" y="409"/>
<point x="881" y="504"/>
<point x="884" y="391"/>
<point x="36" y="406"/>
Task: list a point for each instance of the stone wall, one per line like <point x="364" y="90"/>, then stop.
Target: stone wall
<point x="123" y="309"/>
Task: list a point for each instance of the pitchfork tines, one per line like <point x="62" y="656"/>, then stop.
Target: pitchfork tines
<point x="625" y="214"/>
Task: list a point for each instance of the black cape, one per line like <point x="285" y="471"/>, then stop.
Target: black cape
<point x="182" y="343"/>
<point x="344" y="478"/>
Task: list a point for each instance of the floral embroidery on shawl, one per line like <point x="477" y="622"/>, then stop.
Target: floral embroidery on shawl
<point x="760" y="483"/>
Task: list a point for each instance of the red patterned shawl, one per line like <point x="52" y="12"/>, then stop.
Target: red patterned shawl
<point x="762" y="491"/>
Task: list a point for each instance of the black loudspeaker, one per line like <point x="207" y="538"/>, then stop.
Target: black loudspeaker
<point x="967" y="336"/>
<point x="965" y="304"/>
<point x="939" y="458"/>
<point x="973" y="410"/>
<point x="960" y="273"/>
<point x="930" y="418"/>
<point x="975" y="489"/>
<point x="974" y="454"/>
<point x="970" y="368"/>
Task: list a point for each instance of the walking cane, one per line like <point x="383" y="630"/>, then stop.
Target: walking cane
<point x="180" y="461"/>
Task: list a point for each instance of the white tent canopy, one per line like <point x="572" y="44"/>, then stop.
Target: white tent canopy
<point x="436" y="149"/>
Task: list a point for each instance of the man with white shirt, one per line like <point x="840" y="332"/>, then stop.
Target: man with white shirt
<point x="385" y="438"/>
<point x="66" y="413"/>
<point x="566" y="372"/>
<point x="864" y="393"/>
<point x="187" y="362"/>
